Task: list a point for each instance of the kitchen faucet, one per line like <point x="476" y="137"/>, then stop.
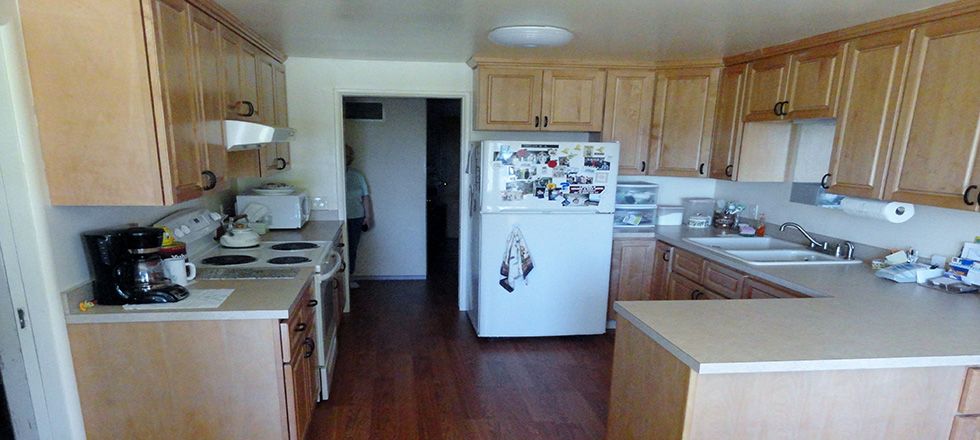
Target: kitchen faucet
<point x="813" y="243"/>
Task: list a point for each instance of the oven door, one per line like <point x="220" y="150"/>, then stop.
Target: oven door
<point x="327" y="317"/>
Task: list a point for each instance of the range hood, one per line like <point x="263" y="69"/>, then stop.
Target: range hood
<point x="242" y="135"/>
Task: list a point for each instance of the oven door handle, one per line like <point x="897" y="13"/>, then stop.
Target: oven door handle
<point x="333" y="270"/>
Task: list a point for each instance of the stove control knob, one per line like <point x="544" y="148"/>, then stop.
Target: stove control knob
<point x="215" y="216"/>
<point x="179" y="234"/>
<point x="185" y="229"/>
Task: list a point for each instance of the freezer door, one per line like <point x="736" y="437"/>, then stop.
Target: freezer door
<point x="567" y="177"/>
<point x="566" y="291"/>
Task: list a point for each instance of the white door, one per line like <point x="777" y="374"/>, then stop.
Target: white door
<point x="566" y="291"/>
<point x="14" y="374"/>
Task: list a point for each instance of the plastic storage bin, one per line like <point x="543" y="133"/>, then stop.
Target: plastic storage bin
<point x="636" y="193"/>
<point x="635" y="218"/>
<point x="670" y="215"/>
<point x="698" y="206"/>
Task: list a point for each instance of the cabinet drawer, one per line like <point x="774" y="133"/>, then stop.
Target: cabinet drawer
<point x="721" y="279"/>
<point x="687" y="264"/>
<point x="294" y="330"/>
<point x="965" y="428"/>
<point x="756" y="289"/>
<point x="970" y="401"/>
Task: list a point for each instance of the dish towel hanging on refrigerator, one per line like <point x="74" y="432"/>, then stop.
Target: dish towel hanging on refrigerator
<point x="517" y="262"/>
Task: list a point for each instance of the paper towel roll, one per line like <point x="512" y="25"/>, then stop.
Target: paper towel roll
<point x="893" y="212"/>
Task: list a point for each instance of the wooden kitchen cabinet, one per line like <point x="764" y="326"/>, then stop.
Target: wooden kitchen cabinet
<point x="632" y="270"/>
<point x="134" y="128"/>
<point x="282" y="113"/>
<point x="628" y="112"/>
<point x="765" y="88"/>
<point x="727" y="136"/>
<point x="687" y="264"/>
<point x="965" y="428"/>
<point x="533" y="99"/>
<point x="208" y="57"/>
<point x="814" y="82"/>
<point x="300" y="370"/>
<point x="758" y="289"/>
<point x="271" y="109"/>
<point x="661" y="270"/>
<point x="681" y="288"/>
<point x="723" y="280"/>
<point x="935" y="158"/>
<point x="683" y="118"/>
<point x="874" y="74"/>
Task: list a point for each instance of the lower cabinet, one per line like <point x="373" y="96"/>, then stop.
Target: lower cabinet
<point x="206" y="379"/>
<point x="631" y="271"/>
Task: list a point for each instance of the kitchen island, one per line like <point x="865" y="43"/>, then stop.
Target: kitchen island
<point x="863" y="358"/>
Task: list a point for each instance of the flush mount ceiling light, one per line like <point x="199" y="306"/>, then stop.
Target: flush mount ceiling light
<point x="530" y="36"/>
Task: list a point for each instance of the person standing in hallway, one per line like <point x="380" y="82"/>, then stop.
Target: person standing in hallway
<point x="360" y="212"/>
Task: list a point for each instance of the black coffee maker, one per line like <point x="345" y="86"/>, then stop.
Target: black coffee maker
<point x="128" y="268"/>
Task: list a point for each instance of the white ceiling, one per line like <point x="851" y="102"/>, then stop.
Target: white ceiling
<point x="454" y="30"/>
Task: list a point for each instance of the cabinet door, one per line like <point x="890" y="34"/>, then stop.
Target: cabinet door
<point x="756" y="289"/>
<point x="508" y="99"/>
<point x="935" y="155"/>
<point x="572" y="100"/>
<point x="687" y="264"/>
<point x="264" y="73"/>
<point x="683" y="117"/>
<point x="207" y="44"/>
<point x="628" y="112"/>
<point x="721" y="279"/>
<point x="281" y="113"/>
<point x="965" y="427"/>
<point x="248" y="86"/>
<point x="680" y="288"/>
<point x="174" y="49"/>
<point x="814" y="82"/>
<point x="233" y="102"/>
<point x="661" y="270"/>
<point x="873" y="76"/>
<point x="726" y="139"/>
<point x="631" y="272"/>
<point x="766" y="87"/>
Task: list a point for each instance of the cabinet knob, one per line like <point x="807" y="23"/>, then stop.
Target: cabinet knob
<point x="280" y="163"/>
<point x="545" y="121"/>
<point x="666" y="256"/>
<point x="643" y="166"/>
<point x="537" y="121"/>
<point x="312" y="303"/>
<point x="775" y="108"/>
<point x="311" y="347"/>
<point x="701" y="169"/>
<point x="966" y="196"/>
<point x="782" y="108"/>
<point x="824" y="181"/>
<point x="300" y="327"/>
<point x="250" y="108"/>
<point x="696" y="294"/>
<point x="729" y="170"/>
<point x="210" y="180"/>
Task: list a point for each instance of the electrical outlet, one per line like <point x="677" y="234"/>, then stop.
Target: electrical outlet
<point x="319" y="203"/>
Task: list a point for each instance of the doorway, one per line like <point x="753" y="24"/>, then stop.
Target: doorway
<point x="407" y="149"/>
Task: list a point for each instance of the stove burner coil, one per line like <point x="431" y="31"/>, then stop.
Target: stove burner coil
<point x="288" y="260"/>
<point x="228" y="260"/>
<point x="294" y="246"/>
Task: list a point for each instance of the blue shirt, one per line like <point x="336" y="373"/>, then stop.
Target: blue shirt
<point x="357" y="188"/>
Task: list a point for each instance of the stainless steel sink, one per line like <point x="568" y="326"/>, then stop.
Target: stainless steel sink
<point x="767" y="251"/>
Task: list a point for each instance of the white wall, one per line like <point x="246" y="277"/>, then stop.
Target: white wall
<point x="391" y="154"/>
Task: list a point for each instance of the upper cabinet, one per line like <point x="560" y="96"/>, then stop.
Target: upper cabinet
<point x="802" y="85"/>
<point x="264" y="78"/>
<point x="628" y="112"/>
<point x="142" y="127"/>
<point x="873" y="77"/>
<point x="683" y="119"/>
<point x="935" y="156"/>
<point x="727" y="136"/>
<point x="531" y="99"/>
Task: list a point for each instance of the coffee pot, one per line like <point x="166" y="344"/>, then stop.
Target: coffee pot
<point x="142" y="273"/>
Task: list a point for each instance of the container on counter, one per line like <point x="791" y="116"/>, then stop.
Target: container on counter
<point x="670" y="215"/>
<point x="636" y="193"/>
<point x="698" y="208"/>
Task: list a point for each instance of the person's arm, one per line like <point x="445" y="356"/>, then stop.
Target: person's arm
<point x="368" y="212"/>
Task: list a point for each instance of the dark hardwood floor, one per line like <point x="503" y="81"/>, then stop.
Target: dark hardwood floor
<point x="411" y="367"/>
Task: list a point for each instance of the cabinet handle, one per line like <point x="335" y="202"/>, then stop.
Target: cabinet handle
<point x="545" y="121"/>
<point x="312" y="303"/>
<point x="247" y="113"/>
<point x="775" y="108"/>
<point x="643" y="166"/>
<point x="824" y="180"/>
<point x="701" y="169"/>
<point x="210" y="179"/>
<point x="782" y="108"/>
<point x="343" y="266"/>
<point x="729" y="170"/>
<point x="695" y="294"/>
<point x="280" y="163"/>
<point x="537" y="121"/>
<point x="966" y="196"/>
<point x="309" y="343"/>
<point x="666" y="256"/>
<point x="300" y="327"/>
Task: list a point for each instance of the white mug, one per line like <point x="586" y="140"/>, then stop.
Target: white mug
<point x="179" y="270"/>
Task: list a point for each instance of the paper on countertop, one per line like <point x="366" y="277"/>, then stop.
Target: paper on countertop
<point x="971" y="251"/>
<point x="197" y="299"/>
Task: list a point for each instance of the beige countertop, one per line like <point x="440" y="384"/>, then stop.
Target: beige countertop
<point x="859" y="321"/>
<point x="252" y="299"/>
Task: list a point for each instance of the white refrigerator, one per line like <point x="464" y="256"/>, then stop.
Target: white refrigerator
<point x="542" y="221"/>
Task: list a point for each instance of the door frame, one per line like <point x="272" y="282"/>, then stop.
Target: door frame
<point x="465" y="129"/>
<point x="27" y="251"/>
